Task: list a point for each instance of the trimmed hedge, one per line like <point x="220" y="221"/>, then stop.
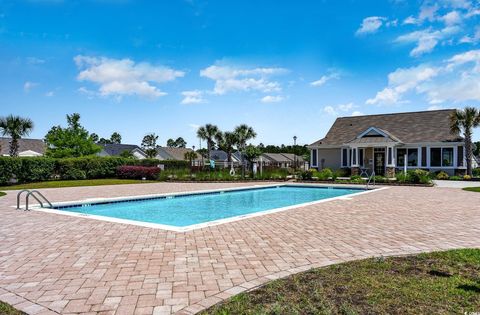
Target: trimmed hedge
<point x="34" y="169"/>
<point x="138" y="172"/>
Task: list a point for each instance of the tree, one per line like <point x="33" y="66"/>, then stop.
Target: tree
<point x="243" y="134"/>
<point x="127" y="154"/>
<point x="15" y="127"/>
<point x="208" y="133"/>
<point x="227" y="141"/>
<point x="94" y="137"/>
<point x="104" y="141"/>
<point x="72" y="141"/>
<point x="115" y="138"/>
<point x="252" y="153"/>
<point x="149" y="145"/>
<point x="190" y="156"/>
<point x="180" y="143"/>
<point x="463" y="121"/>
<point x="171" y="143"/>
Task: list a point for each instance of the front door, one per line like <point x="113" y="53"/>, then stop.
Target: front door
<point x="379" y="163"/>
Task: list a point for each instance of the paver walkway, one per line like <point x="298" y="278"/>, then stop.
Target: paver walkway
<point x="59" y="264"/>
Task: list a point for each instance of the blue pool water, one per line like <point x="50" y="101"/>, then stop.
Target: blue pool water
<point x="185" y="210"/>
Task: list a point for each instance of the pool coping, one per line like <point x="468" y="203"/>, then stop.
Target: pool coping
<point x="37" y="207"/>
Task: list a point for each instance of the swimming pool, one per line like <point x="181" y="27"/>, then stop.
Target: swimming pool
<point x="184" y="211"/>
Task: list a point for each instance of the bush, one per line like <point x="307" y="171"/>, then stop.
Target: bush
<point x="419" y="176"/>
<point x="476" y="172"/>
<point x="380" y="179"/>
<point x="74" y="174"/>
<point x="138" y="172"/>
<point x="9" y="169"/>
<point x="402" y="177"/>
<point x="355" y="177"/>
<point x="442" y="176"/>
<point x="308" y="174"/>
<point x="467" y="177"/>
<point x="325" y="174"/>
<point x="456" y="178"/>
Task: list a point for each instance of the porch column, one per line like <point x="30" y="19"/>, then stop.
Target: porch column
<point x="355" y="169"/>
<point x="390" y="165"/>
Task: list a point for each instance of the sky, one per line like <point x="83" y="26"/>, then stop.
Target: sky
<point x="283" y="67"/>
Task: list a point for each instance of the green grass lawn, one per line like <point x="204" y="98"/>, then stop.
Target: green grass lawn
<point x="75" y="183"/>
<point x="475" y="189"/>
<point x="435" y="283"/>
<point x="1" y="195"/>
<point x="6" y="309"/>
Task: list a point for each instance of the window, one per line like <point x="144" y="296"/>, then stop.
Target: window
<point x="412" y="157"/>
<point x="401" y="157"/>
<point x="424" y="156"/>
<point x="436" y="157"/>
<point x="390" y="157"/>
<point x="460" y="156"/>
<point x="447" y="157"/>
<point x="344" y="157"/>
<point x="354" y="156"/>
<point x="361" y="157"/>
<point x="314" y="157"/>
<point x="441" y="157"/>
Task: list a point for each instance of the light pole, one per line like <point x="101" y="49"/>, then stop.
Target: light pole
<point x="193" y="162"/>
<point x="295" y="152"/>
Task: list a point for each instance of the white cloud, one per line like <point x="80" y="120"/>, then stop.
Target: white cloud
<point x="193" y="97"/>
<point x="272" y="99"/>
<point x="473" y="39"/>
<point x="118" y="77"/>
<point x="434" y="107"/>
<point x="28" y="86"/>
<point x="330" y="110"/>
<point x="230" y="79"/>
<point x="426" y="40"/>
<point x="324" y="79"/>
<point x="357" y="113"/>
<point x="428" y="12"/>
<point x="456" y="79"/>
<point x="410" y="20"/>
<point x="452" y="18"/>
<point x="370" y="25"/>
<point x="402" y="81"/>
<point x="194" y="127"/>
<point x="340" y="109"/>
<point x="49" y="94"/>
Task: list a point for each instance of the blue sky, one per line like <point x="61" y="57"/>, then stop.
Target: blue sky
<point x="286" y="68"/>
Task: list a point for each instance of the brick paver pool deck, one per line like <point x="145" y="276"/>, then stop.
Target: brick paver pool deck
<point x="52" y="263"/>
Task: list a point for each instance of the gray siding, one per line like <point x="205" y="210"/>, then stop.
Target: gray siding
<point x="331" y="158"/>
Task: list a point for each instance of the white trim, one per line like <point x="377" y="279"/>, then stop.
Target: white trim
<point x="383" y="134"/>
<point x="311" y="157"/>
<point x="200" y="225"/>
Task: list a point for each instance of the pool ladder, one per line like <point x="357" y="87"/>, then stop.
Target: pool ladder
<point x="35" y="194"/>
<point x="369" y="182"/>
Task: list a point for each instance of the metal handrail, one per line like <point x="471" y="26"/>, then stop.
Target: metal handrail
<point x="18" y="197"/>
<point x="370" y="179"/>
<point x="32" y="193"/>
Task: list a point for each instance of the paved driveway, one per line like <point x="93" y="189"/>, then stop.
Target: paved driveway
<point x="52" y="263"/>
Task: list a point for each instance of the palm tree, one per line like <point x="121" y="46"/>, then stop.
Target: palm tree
<point x="243" y="134"/>
<point x="16" y="127"/>
<point x="190" y="156"/>
<point x="464" y="121"/>
<point x="227" y="141"/>
<point x="208" y="133"/>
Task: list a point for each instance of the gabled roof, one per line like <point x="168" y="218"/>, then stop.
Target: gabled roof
<point x="222" y="156"/>
<point x="411" y="127"/>
<point x="168" y="153"/>
<point x="35" y="145"/>
<point x="281" y="157"/>
<point x="117" y="149"/>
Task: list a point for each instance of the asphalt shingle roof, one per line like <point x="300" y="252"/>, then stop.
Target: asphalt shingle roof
<point x="117" y="149"/>
<point x="36" y="145"/>
<point x="411" y="127"/>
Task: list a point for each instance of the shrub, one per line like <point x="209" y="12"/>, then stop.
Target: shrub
<point x="308" y="174"/>
<point x="402" y="177"/>
<point x="74" y="174"/>
<point x="137" y="172"/>
<point x="9" y="169"/>
<point x="355" y="177"/>
<point x="442" y="176"/>
<point x="467" y="177"/>
<point x="325" y="174"/>
<point x="380" y="179"/>
<point x="476" y="172"/>
<point x="456" y="178"/>
<point x="419" y="176"/>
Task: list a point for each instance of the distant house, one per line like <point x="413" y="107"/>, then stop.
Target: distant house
<point x="26" y="147"/>
<point x="221" y="157"/>
<point x="389" y="142"/>
<point x="169" y="153"/>
<point x="281" y="160"/>
<point x="118" y="149"/>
